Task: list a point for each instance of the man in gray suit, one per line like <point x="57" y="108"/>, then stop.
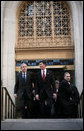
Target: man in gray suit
<point x="23" y="91"/>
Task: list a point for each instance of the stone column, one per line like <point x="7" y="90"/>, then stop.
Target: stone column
<point x="9" y="48"/>
<point x="77" y="20"/>
<point x="2" y="28"/>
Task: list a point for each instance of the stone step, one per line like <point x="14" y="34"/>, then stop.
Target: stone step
<point x="42" y="124"/>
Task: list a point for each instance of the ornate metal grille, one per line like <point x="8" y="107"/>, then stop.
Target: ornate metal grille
<point x="26" y="20"/>
<point x="44" y="24"/>
<point x="61" y="19"/>
<point x="43" y="18"/>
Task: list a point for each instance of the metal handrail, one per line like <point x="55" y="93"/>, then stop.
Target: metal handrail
<point x="7" y="105"/>
<point x="10" y="107"/>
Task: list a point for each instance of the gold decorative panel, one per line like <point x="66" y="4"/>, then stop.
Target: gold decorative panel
<point x="43" y="24"/>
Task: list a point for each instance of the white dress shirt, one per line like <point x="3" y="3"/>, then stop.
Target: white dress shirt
<point x="44" y="71"/>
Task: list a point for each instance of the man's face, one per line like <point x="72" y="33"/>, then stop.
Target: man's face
<point x="57" y="85"/>
<point x="67" y="77"/>
<point x="24" y="67"/>
<point x="42" y="66"/>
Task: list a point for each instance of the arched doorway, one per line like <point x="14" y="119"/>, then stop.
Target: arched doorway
<point x="44" y="31"/>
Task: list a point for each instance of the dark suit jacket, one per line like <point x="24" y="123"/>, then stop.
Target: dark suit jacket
<point x="69" y="98"/>
<point x="47" y="85"/>
<point x="68" y="91"/>
<point x="24" y="90"/>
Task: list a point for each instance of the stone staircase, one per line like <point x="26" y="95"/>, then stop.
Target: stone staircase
<point x="42" y="124"/>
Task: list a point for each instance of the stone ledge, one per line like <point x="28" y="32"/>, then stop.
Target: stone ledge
<point x="42" y="124"/>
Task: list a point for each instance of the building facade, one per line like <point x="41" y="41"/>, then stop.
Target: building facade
<point x="32" y="31"/>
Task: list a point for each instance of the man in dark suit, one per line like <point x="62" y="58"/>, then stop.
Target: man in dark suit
<point x="23" y="91"/>
<point x="69" y="98"/>
<point x="45" y="90"/>
<point x="56" y="103"/>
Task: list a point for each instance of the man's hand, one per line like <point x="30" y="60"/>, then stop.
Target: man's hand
<point x="15" y="95"/>
<point x="37" y="97"/>
<point x="54" y="95"/>
<point x="25" y="107"/>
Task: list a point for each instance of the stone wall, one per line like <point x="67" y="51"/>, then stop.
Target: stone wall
<point x="8" y="39"/>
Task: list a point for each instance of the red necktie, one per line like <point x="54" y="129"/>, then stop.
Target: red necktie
<point x="43" y="75"/>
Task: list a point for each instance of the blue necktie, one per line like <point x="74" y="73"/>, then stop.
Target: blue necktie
<point x="24" y="77"/>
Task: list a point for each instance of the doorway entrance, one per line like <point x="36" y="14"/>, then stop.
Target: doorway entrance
<point x="57" y="66"/>
<point x="58" y="74"/>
